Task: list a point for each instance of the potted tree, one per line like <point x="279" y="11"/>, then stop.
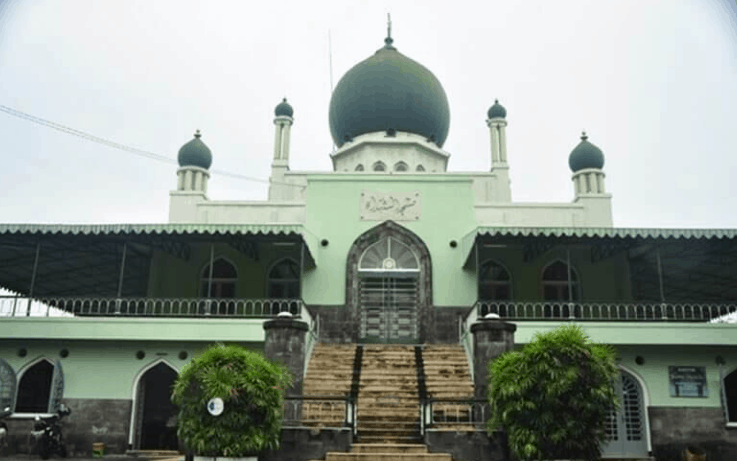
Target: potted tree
<point x="230" y="403"/>
<point x="554" y="395"/>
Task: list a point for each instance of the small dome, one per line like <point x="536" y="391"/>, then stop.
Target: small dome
<point x="497" y="110"/>
<point x="283" y="108"/>
<point x="389" y="91"/>
<point x="585" y="155"/>
<point x="195" y="153"/>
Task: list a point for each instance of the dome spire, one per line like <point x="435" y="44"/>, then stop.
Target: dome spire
<point x="388" y="40"/>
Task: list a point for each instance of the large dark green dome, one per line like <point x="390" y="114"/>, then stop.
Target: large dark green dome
<point x="195" y="153"/>
<point x="389" y="91"/>
<point x="585" y="155"/>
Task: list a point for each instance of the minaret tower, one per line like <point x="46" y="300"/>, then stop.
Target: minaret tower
<point x="497" y="123"/>
<point x="194" y="160"/>
<point x="283" y="122"/>
<point x="586" y="162"/>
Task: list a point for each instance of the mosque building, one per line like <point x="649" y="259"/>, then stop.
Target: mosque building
<point x="390" y="249"/>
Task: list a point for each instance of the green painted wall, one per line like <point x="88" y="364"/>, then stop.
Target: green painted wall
<point x="447" y="214"/>
<point x="102" y="369"/>
<point x="605" y="280"/>
<point x="654" y="371"/>
<point x="173" y="277"/>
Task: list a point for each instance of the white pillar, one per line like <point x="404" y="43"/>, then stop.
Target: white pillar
<point x="281" y="138"/>
<point x="277" y="140"/>
<point x="286" y="132"/>
<point x="503" y="142"/>
<point x="494" y="131"/>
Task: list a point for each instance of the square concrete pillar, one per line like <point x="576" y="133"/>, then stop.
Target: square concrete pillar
<point x="286" y="342"/>
<point x="491" y="338"/>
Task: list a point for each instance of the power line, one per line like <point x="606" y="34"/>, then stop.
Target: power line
<point x="123" y="147"/>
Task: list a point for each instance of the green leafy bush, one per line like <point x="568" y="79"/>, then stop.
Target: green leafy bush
<point x="554" y="395"/>
<point x="252" y="389"/>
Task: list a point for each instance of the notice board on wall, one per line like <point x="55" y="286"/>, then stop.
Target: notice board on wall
<point x="687" y="381"/>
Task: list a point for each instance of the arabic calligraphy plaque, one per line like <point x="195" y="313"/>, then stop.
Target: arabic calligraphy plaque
<point x="397" y="206"/>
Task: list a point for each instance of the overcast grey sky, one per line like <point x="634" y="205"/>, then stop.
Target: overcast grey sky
<point x="654" y="83"/>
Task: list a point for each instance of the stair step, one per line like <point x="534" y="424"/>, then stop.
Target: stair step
<point x="388" y="448"/>
<point x="390" y="456"/>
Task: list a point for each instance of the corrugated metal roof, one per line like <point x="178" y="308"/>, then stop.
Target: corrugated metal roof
<point x="593" y="233"/>
<point x="606" y="232"/>
<point x="167" y="229"/>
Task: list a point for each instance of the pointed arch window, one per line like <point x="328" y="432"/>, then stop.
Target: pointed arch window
<point x="284" y="280"/>
<point x="40" y="388"/>
<point x="224" y="278"/>
<point x="420" y="168"/>
<point x="379" y="166"/>
<point x="401" y="166"/>
<point x="359" y="167"/>
<point x="388" y="255"/>
<point x="555" y="282"/>
<point x="494" y="282"/>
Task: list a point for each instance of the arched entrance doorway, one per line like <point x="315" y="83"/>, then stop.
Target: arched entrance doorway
<point x="155" y="415"/>
<point x="627" y="428"/>
<point x="389" y="287"/>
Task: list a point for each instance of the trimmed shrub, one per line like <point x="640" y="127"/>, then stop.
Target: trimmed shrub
<point x="554" y="395"/>
<point x="252" y="389"/>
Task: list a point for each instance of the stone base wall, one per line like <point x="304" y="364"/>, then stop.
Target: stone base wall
<point x="337" y="325"/>
<point x="302" y="444"/>
<point x="91" y="421"/>
<point x="673" y="429"/>
<point x="467" y="445"/>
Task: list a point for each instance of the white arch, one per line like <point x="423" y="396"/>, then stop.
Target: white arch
<point x="401" y="166"/>
<point x="22" y="370"/>
<point x="134" y="391"/>
<point x="645" y="401"/>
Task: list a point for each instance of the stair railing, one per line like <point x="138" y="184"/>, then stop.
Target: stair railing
<point x="421" y="387"/>
<point x="352" y="398"/>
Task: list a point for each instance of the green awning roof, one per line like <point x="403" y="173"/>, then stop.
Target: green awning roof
<point x="86" y="257"/>
<point x="697" y="264"/>
<point x="593" y="233"/>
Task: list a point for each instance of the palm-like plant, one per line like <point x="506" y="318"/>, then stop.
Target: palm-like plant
<point x="252" y="389"/>
<point x="554" y="395"/>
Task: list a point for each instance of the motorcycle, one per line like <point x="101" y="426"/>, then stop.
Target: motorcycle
<point x="47" y="435"/>
<point x="4" y="428"/>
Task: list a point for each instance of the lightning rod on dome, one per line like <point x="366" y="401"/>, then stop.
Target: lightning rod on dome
<point x="330" y="63"/>
<point x="389" y="25"/>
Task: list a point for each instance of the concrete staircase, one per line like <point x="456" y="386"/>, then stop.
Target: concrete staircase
<point x="387" y="452"/>
<point x="447" y="376"/>
<point x="446" y="371"/>
<point x="388" y="400"/>
<point x="329" y="373"/>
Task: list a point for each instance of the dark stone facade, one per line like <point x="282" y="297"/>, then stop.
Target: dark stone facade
<point x="468" y="445"/>
<point x="91" y="421"/>
<point x="285" y="343"/>
<point x="339" y="325"/>
<point x="491" y="338"/>
<point x="673" y="429"/>
<point x="305" y="444"/>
